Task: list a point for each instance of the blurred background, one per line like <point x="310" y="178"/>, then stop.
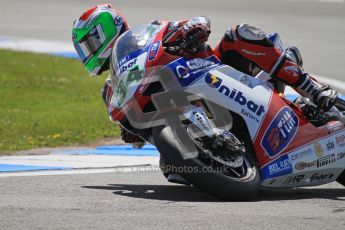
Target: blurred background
<point x="315" y="26"/>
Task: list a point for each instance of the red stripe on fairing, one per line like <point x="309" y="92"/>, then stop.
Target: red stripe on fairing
<point x="261" y="122"/>
<point x="88" y="13"/>
<point x="306" y="133"/>
<point x="162" y="58"/>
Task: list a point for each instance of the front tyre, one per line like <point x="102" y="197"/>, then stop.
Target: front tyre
<point x="204" y="176"/>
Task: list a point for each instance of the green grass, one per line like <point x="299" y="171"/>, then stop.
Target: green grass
<point x="49" y="101"/>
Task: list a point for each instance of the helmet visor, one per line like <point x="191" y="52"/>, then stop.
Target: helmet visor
<point x="90" y="44"/>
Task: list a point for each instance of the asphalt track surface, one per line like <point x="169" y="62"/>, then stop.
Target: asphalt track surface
<point x="146" y="200"/>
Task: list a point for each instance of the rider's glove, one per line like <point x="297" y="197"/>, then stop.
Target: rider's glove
<point x="191" y="34"/>
<point x="195" y="33"/>
<point x="197" y="27"/>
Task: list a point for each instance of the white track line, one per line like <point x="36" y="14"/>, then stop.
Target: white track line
<point x="147" y="168"/>
<point x="58" y="172"/>
<point x="79" y="161"/>
<point x="35" y="45"/>
<point x="44" y="46"/>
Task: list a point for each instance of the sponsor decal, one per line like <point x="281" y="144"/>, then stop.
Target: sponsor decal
<point x="340" y="156"/>
<point x="294" y="179"/>
<point x="318" y="150"/>
<point x="134" y="76"/>
<point x="247" y="80"/>
<point x="249" y="115"/>
<point x="234" y="95"/>
<point x="249" y="52"/>
<point x="330" y="145"/>
<point x="182" y="71"/>
<point x="325" y="160"/>
<point x="118" y="20"/>
<point x="280" y="132"/>
<point x="340" y="140"/>
<point x="198" y="63"/>
<point x="201" y="119"/>
<point x="329" y="159"/>
<point x="213" y="81"/>
<point x="128" y="65"/>
<point x="153" y="50"/>
<point x="301" y="154"/>
<point x="303" y="165"/>
<point x="190" y="71"/>
<point x="320" y="177"/>
<point x="123" y="60"/>
<point x="278" y="167"/>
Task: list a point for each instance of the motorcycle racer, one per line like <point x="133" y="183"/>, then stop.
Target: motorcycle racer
<point x="94" y="34"/>
<point x="244" y="47"/>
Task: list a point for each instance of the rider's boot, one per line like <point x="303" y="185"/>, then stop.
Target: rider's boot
<point x="136" y="141"/>
<point x="324" y="97"/>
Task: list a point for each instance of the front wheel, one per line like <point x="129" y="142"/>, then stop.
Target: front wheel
<point x="221" y="176"/>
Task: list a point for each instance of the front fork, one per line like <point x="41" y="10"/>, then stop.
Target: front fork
<point x="205" y="126"/>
